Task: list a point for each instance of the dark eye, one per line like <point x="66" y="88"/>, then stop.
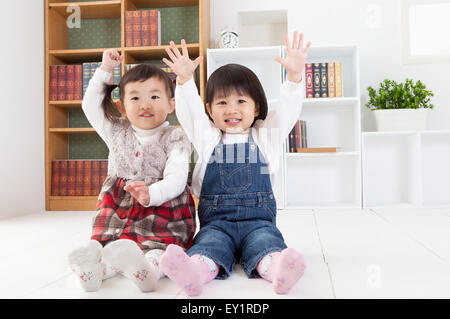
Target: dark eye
<point x="135" y="98"/>
<point x="154" y="97"/>
<point x="221" y="103"/>
<point x="242" y="101"/>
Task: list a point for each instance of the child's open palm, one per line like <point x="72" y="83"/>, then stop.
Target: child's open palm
<point x="180" y="63"/>
<point x="139" y="191"/>
<point x="295" y="59"/>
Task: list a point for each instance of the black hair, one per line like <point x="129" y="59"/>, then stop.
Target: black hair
<point x="139" y="73"/>
<point x="236" y="77"/>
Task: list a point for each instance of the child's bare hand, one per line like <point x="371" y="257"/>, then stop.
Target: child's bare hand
<point x="295" y="59"/>
<point x="111" y="59"/>
<point x="139" y="191"/>
<point x="180" y="63"/>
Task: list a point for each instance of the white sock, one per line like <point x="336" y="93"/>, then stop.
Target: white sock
<point x="153" y="257"/>
<point x="126" y="258"/>
<point x="86" y="263"/>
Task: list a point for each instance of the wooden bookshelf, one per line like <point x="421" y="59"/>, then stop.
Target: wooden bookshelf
<point x="58" y="51"/>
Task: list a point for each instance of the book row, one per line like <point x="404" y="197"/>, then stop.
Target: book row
<point x="297" y="137"/>
<point x="142" y="28"/>
<point x="69" y="82"/>
<point x="297" y="141"/>
<point x="78" y="177"/>
<point x="323" y="79"/>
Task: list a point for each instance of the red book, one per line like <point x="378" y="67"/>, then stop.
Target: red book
<point x="63" y="178"/>
<point x="53" y="83"/>
<point x="309" y="80"/>
<point x="70" y="82"/>
<point x="87" y="178"/>
<point x="56" y="166"/>
<point x="154" y="28"/>
<point x="71" y="172"/>
<point x="103" y="173"/>
<point x="137" y="37"/>
<point x="61" y="82"/>
<point x="95" y="173"/>
<point x="78" y="93"/>
<point x="79" y="178"/>
<point x="129" y="28"/>
<point x="145" y="18"/>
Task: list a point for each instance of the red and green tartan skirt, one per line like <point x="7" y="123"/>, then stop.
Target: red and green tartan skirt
<point x="120" y="216"/>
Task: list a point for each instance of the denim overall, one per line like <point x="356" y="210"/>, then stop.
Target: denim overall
<point x="237" y="209"/>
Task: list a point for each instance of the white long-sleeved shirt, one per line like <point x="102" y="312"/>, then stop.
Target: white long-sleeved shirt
<point x="177" y="166"/>
<point x="268" y="134"/>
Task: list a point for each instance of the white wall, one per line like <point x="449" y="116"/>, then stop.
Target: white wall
<point x="337" y="22"/>
<point x="22" y="186"/>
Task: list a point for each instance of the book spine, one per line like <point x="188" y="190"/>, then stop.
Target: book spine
<point x="338" y="78"/>
<point x="323" y="80"/>
<point x="78" y="94"/>
<point x="292" y="140"/>
<point x="331" y="84"/>
<point x="61" y="82"/>
<point x="297" y="135"/>
<point x="79" y="178"/>
<point x="145" y="18"/>
<point x="137" y="34"/>
<point x="116" y="80"/>
<point x="304" y="142"/>
<point x="70" y="82"/>
<point x="71" y="178"/>
<point x="56" y="167"/>
<point x="103" y="173"/>
<point x="316" y="75"/>
<point x="53" y="83"/>
<point x="155" y="32"/>
<point x="309" y="80"/>
<point x="94" y="66"/>
<point x="63" y="178"/>
<point x="86" y="75"/>
<point x="129" y="28"/>
<point x="87" y="175"/>
<point x="95" y="177"/>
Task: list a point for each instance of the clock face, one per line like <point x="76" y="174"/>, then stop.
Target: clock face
<point x="229" y="39"/>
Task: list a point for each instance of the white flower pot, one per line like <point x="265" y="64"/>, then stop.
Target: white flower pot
<point x="401" y="119"/>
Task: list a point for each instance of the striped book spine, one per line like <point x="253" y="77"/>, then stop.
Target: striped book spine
<point x="70" y="82"/>
<point x="86" y="75"/>
<point x="53" y="83"/>
<point x="78" y="94"/>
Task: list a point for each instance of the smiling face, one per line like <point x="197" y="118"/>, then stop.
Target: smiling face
<point x="233" y="113"/>
<point x="147" y="103"/>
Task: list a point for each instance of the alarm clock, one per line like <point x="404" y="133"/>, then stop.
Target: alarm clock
<point x="228" y="39"/>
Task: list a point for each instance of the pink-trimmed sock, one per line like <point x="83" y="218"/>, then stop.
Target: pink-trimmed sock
<point x="190" y="273"/>
<point x="283" y="269"/>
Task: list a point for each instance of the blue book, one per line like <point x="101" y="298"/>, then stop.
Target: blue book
<point x="86" y="75"/>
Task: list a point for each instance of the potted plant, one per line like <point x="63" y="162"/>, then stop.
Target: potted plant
<point x="400" y="106"/>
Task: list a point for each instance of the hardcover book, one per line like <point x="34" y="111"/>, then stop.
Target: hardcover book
<point x="309" y="80"/>
<point x="323" y="80"/>
<point x="338" y="78"/>
<point x="331" y="84"/>
<point x="316" y="76"/>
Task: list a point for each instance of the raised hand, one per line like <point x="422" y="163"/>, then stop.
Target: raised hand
<point x="180" y="63"/>
<point x="111" y="59"/>
<point x="139" y="191"/>
<point x="295" y="59"/>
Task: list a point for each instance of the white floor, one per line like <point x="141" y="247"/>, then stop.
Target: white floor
<point x="370" y="253"/>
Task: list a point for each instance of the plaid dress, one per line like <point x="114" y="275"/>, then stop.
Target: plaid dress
<point x="120" y="215"/>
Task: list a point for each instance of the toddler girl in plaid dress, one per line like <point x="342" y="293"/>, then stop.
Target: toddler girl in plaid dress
<point x="144" y="204"/>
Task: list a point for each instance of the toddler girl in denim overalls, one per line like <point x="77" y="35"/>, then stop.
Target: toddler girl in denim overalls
<point x="237" y="207"/>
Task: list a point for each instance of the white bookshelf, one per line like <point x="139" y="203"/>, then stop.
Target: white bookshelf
<point x="406" y="169"/>
<point x="322" y="179"/>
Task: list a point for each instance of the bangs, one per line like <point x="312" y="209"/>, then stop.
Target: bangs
<point x="236" y="78"/>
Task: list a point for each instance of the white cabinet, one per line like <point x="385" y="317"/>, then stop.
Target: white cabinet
<point x="312" y="180"/>
<point x="406" y="169"/>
